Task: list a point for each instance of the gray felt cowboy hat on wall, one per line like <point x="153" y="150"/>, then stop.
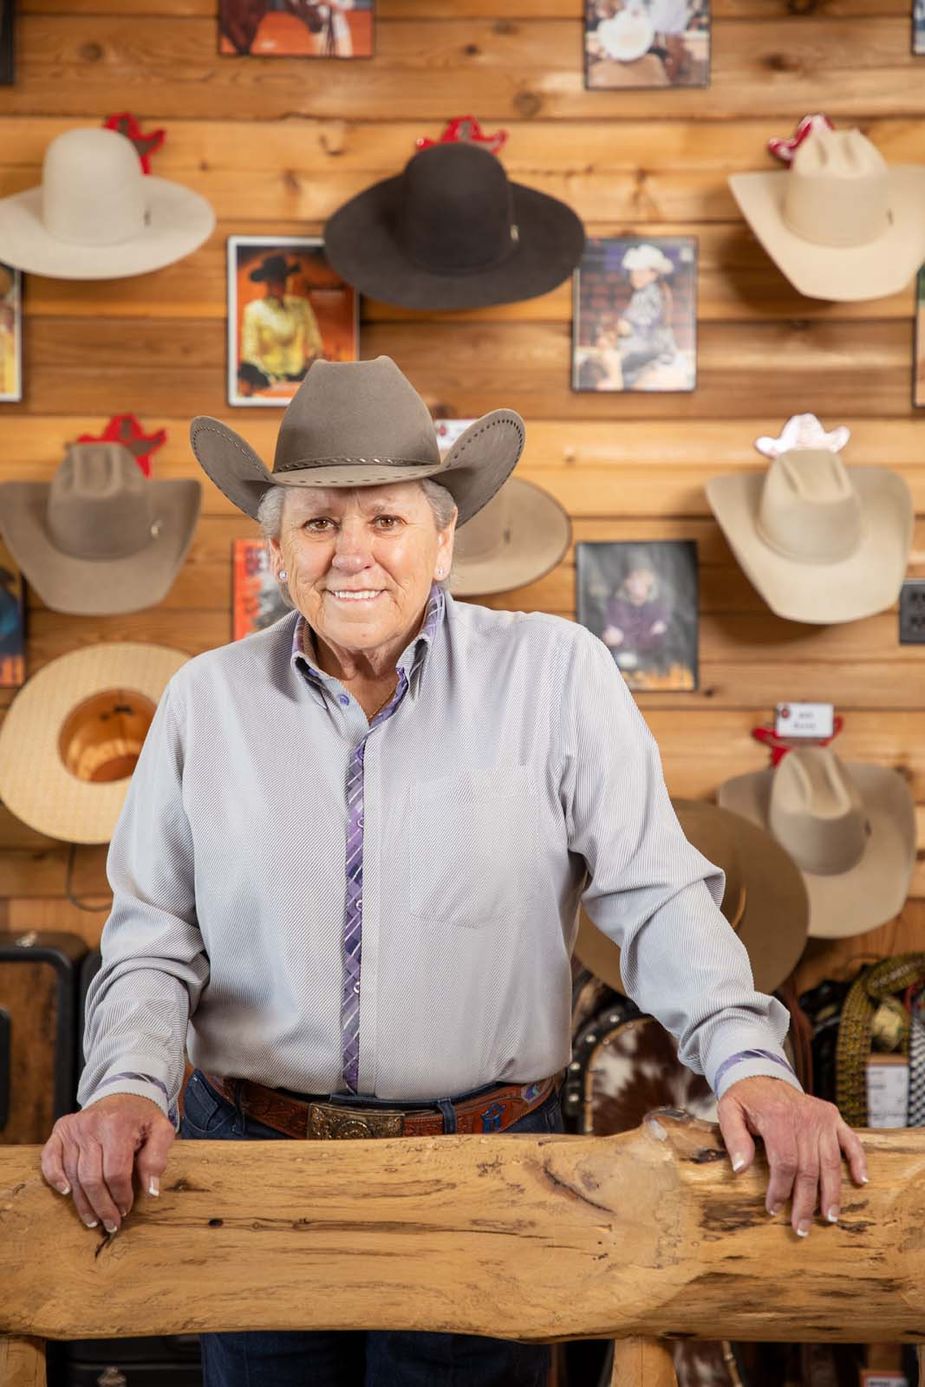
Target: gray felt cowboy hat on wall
<point x="362" y="423"/>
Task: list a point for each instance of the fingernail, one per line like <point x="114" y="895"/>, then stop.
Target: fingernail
<point x="64" y="1189"/>
<point x="775" y="1210"/>
<point x="89" y="1224"/>
<point x="124" y="1213"/>
<point x="110" y="1227"/>
<point x="865" y="1179"/>
<point x="154" y="1185"/>
<point x="832" y="1215"/>
<point x="803" y="1230"/>
<point x="738" y="1163"/>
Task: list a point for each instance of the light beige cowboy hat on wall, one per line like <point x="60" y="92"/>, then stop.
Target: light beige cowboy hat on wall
<point x="101" y="537"/>
<point x="822" y="543"/>
<point x="361" y="423"/>
<point x="97" y="215"/>
<point x="73" y="733"/>
<point x="840" y="223"/>
<point x="849" y="827"/>
<point x="764" y="901"/>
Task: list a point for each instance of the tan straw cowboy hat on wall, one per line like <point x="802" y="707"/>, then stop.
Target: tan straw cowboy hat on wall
<point x="362" y="423"/>
<point x="849" y="827"/>
<point x="765" y="900"/>
<point x="840" y="223"/>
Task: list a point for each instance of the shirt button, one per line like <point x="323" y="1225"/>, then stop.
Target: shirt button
<point x="356" y="987"/>
<point x="343" y="700"/>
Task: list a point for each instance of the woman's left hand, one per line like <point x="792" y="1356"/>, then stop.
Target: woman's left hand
<point x="804" y="1139"/>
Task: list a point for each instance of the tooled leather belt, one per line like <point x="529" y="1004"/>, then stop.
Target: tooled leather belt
<point x="491" y="1111"/>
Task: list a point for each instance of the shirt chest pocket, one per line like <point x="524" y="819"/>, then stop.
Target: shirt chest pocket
<point x="473" y="844"/>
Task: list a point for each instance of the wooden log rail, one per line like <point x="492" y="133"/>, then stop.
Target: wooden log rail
<point x="640" y="1237"/>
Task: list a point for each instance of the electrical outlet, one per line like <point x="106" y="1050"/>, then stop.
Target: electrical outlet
<point x="912" y="612"/>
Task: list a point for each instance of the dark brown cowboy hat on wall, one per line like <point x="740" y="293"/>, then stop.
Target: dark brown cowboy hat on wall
<point x="765" y="899"/>
<point x="362" y="423"/>
<point x="451" y="231"/>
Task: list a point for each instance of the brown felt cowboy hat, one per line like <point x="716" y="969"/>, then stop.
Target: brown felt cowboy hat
<point x="362" y="423"/>
<point x="101" y="537"/>
<point x="451" y="231"/>
<point x="765" y="900"/>
<point x="849" y="827"/>
<point x="840" y="223"/>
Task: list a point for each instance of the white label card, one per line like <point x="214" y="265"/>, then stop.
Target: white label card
<point x="804" y="719"/>
<point x="887" y="1090"/>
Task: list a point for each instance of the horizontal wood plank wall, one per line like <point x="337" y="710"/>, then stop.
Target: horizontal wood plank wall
<point x="278" y="144"/>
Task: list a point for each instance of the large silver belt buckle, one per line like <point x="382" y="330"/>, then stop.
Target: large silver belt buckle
<point x="329" y="1121"/>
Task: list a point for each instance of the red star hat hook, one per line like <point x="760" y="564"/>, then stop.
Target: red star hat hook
<point x="126" y="428"/>
<point x="781" y="745"/>
<point x="124" y="123"/>
<point x="465" y="130"/>
<point x="785" y="148"/>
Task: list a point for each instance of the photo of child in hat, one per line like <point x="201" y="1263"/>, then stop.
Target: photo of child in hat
<point x="634" y="315"/>
<point x="647" y="43"/>
<point x="641" y="600"/>
<point x="286" y="308"/>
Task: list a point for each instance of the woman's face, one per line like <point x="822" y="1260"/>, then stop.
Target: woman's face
<point x="639" y="583"/>
<point x="361" y="561"/>
<point x="640" y="278"/>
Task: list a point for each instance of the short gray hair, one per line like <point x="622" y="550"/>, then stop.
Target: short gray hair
<point x="273" y="501"/>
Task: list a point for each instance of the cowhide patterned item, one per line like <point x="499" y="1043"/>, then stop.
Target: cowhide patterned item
<point x="633" y="1068"/>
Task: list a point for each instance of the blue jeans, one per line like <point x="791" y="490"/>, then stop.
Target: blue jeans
<point x="355" y="1358"/>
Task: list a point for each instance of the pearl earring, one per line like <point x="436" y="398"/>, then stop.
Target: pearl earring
<point x="283" y="575"/>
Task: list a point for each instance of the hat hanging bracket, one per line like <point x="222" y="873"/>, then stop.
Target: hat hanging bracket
<point x="80" y="904"/>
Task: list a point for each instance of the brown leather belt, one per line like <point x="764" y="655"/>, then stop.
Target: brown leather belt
<point x="491" y="1111"/>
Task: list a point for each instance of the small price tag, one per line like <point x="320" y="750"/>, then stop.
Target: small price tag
<point x="887" y="1091"/>
<point x="877" y="1377"/>
<point x="804" y="719"/>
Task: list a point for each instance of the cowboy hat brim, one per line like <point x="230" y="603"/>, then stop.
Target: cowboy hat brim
<point x="99" y="587"/>
<point x="875" y="889"/>
<point x="534" y="543"/>
<point x="360" y="245"/>
<point x="479" y="462"/>
<point x="774" y="925"/>
<point x="35" y="783"/>
<point x="839" y="273"/>
<point x="178" y="221"/>
<point x="866" y="582"/>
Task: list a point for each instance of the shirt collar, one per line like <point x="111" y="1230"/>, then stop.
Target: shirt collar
<point x="411" y="657"/>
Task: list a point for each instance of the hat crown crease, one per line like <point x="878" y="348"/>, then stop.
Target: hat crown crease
<point x="93" y="188"/>
<point x="817" y="813"/>
<point x="810" y="510"/>
<point x="99" y="505"/>
<point x="837" y="191"/>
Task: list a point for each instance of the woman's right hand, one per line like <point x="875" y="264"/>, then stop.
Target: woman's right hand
<point x="94" y="1152"/>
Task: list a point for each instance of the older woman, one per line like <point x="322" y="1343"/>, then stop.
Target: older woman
<point x="349" y="864"/>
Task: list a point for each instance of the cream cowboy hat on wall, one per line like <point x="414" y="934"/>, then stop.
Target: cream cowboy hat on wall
<point x="822" y="543"/>
<point x="73" y="734"/>
<point x="840" y="223"/>
<point x="849" y="827"/>
<point x="97" y="215"/>
<point x="361" y="423"/>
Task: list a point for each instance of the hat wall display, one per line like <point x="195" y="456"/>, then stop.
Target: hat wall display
<point x="73" y="733"/>
<point x="362" y="423"/>
<point x="839" y="222"/>
<point x="849" y="827"/>
<point x="97" y="215"/>
<point x="765" y="899"/>
<point x="451" y="231"/>
<point x="101" y="537"/>
<point x="518" y="537"/>
<point x="822" y="543"/>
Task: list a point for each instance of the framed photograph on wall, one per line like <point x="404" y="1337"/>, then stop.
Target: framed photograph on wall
<point x="646" y="43"/>
<point x="641" y="599"/>
<point x="7" y="65"/>
<point x="256" y="601"/>
<point x="10" y="334"/>
<point x="634" y="319"/>
<point x="918" y="27"/>
<point x="297" y="28"/>
<point x="918" y="370"/>
<point x="286" y="308"/>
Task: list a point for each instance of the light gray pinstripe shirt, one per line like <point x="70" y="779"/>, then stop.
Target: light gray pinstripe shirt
<point x="515" y="778"/>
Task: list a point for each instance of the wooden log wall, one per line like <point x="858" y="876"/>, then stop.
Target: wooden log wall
<point x="278" y="144"/>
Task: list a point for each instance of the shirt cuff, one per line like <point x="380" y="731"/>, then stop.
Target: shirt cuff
<point x="144" y="1085"/>
<point x="752" y="1064"/>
